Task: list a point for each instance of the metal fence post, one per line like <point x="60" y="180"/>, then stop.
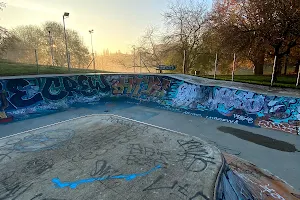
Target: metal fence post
<point x="216" y="64"/>
<point x="140" y="61"/>
<point x="183" y="63"/>
<point x="297" y="84"/>
<point x="233" y="67"/>
<point x="134" y="59"/>
<point x="69" y="61"/>
<point x="273" y="72"/>
<point x="37" y="61"/>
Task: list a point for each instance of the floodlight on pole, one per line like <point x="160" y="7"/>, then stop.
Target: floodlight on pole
<point x="51" y="44"/>
<point x="91" y="32"/>
<point x="66" y="15"/>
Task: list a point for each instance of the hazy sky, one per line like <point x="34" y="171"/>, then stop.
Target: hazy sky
<point x="117" y="24"/>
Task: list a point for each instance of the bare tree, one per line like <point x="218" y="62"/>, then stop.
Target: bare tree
<point x="150" y="48"/>
<point x="185" y="21"/>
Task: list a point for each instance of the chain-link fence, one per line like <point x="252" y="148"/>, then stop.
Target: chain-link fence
<point x="24" y="56"/>
<point x="45" y="58"/>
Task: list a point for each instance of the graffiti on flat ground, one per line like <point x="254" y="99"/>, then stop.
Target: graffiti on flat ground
<point x="11" y="186"/>
<point x="149" y="156"/>
<point x="194" y="156"/>
<point x="44" y="141"/>
<point x="175" y="189"/>
<point x="49" y="140"/>
<point x="110" y="154"/>
<point x="127" y="177"/>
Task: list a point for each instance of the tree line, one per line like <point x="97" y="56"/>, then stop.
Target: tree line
<point x="256" y="31"/>
<point x="19" y="45"/>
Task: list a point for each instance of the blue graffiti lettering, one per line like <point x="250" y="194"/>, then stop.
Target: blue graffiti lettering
<point x="17" y="87"/>
<point x="53" y="90"/>
<point x="70" y="86"/>
<point x="85" y="88"/>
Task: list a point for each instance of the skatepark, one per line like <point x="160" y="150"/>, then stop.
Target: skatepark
<point x="126" y="136"/>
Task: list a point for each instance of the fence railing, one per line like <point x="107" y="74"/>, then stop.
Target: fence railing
<point x="40" y="57"/>
<point x="230" y="66"/>
<point x="216" y="65"/>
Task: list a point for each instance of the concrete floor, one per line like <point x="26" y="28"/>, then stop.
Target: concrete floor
<point x="283" y="164"/>
<point x="107" y="157"/>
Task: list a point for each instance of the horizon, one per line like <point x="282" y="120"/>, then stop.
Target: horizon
<point x="124" y="22"/>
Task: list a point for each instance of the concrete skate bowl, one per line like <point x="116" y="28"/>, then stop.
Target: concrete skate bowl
<point x="24" y="97"/>
<point x="32" y="97"/>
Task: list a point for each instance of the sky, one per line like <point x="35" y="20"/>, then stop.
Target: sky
<point x="117" y="24"/>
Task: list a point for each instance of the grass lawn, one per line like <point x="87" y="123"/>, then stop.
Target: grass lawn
<point x="17" y="69"/>
<point x="283" y="81"/>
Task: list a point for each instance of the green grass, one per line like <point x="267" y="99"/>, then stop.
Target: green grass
<point x="283" y="81"/>
<point x="16" y="69"/>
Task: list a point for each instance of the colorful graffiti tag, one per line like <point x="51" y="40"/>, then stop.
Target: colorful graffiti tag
<point x="38" y="95"/>
<point x="4" y="104"/>
<point x="244" y="107"/>
<point x="28" y="96"/>
<point x="138" y="86"/>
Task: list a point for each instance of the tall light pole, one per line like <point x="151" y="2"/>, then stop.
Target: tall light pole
<point x="66" y="15"/>
<point x="91" y="32"/>
<point x="140" y="60"/>
<point x="134" y="59"/>
<point x="51" y="45"/>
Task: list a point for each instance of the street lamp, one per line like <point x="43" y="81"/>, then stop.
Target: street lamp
<point x="66" y="15"/>
<point x="91" y="32"/>
<point x="134" y="58"/>
<point x="51" y="44"/>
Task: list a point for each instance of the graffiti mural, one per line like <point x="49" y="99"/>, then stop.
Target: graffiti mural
<point x="24" y="97"/>
<point x="3" y="105"/>
<point x="237" y="106"/>
<point x="46" y="94"/>
<point x="151" y="87"/>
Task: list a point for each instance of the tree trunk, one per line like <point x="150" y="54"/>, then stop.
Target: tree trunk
<point x="276" y="70"/>
<point x="278" y="64"/>
<point x="286" y="63"/>
<point x="185" y="65"/>
<point x="258" y="68"/>
<point x="259" y="62"/>
<point x="278" y="67"/>
<point x="184" y="62"/>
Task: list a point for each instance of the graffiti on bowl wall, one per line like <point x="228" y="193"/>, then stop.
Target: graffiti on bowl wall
<point x="29" y="96"/>
<point x="4" y="104"/>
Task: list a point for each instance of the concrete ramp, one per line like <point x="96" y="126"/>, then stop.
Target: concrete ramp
<point x="107" y="157"/>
